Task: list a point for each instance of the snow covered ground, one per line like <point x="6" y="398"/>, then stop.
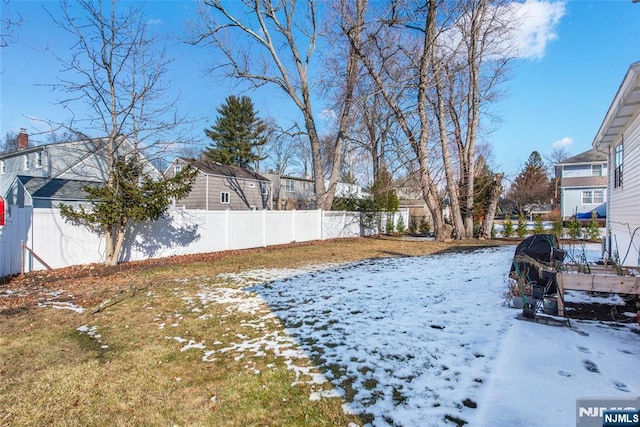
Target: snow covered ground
<point x="426" y="341"/>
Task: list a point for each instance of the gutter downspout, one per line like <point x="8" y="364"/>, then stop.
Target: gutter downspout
<point x="607" y="239"/>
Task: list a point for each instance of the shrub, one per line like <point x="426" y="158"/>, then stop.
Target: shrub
<point x="538" y="227"/>
<point x="557" y="228"/>
<point x="593" y="228"/>
<point x="507" y="227"/>
<point x="574" y="228"/>
<point x="400" y="227"/>
<point x="425" y="227"/>
<point x="413" y="225"/>
<point x="389" y="226"/>
<point x="521" y="229"/>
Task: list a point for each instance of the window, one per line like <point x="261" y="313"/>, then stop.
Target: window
<point x="598" y="196"/>
<point x="224" y="197"/>
<point x="265" y="188"/>
<point x="39" y="159"/>
<point x="596" y="170"/>
<point x="618" y="161"/>
<point x="177" y="169"/>
<point x="289" y="185"/>
<point x="3" y="168"/>
<point x="27" y="162"/>
<point x="592" y="197"/>
<point x="252" y="185"/>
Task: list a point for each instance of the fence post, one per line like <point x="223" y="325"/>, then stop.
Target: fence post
<point x="227" y="231"/>
<point x="264" y="228"/>
<point x="293" y="225"/>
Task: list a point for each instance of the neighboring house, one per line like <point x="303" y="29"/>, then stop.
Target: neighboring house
<point x="619" y="138"/>
<point x="352" y="191"/>
<point x="48" y="192"/>
<point x="583" y="184"/>
<point x="84" y="160"/>
<point x="291" y="192"/>
<point x="222" y="187"/>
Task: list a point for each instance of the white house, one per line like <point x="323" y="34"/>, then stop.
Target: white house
<point x="56" y="170"/>
<point x="619" y="138"/>
<point x="583" y="184"/>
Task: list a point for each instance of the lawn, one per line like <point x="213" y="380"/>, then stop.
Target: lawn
<point x="346" y="332"/>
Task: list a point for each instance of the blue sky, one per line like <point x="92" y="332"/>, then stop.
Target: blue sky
<point x="557" y="94"/>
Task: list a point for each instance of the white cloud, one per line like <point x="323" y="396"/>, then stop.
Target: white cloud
<point x="519" y="30"/>
<point x="535" y="24"/>
<point x="154" y="22"/>
<point x="564" y="142"/>
<point x="328" y="114"/>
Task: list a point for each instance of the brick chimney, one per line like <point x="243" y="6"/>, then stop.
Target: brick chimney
<point x="23" y="139"/>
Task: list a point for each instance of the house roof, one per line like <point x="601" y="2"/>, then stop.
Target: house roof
<point x="589" y="156"/>
<point x="213" y="168"/>
<point x="56" y="188"/>
<point x="40" y="147"/>
<point x="624" y="107"/>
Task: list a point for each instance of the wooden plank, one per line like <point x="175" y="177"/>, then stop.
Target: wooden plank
<point x="597" y="269"/>
<point x="600" y="283"/>
<point x="596" y="283"/>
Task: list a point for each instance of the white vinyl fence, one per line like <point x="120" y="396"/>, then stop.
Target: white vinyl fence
<point x="35" y="239"/>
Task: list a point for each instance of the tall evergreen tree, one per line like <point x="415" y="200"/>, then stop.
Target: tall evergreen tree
<point x="531" y="186"/>
<point x="238" y="133"/>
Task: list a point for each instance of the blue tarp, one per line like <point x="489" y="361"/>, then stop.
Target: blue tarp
<point x="587" y="215"/>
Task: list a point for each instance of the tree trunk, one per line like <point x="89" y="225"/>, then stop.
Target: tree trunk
<point x="487" y="223"/>
<point x="452" y="185"/>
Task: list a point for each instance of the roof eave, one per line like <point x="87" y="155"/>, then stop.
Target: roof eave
<point x="624" y="107"/>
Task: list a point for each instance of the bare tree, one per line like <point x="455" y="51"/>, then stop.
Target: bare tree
<point x="115" y="71"/>
<point x="8" y="23"/>
<point x="558" y="155"/>
<point x="273" y="43"/>
<point x="471" y="61"/>
<point x="279" y="150"/>
<point x="10" y="143"/>
<point x="407" y="35"/>
<point x="436" y="66"/>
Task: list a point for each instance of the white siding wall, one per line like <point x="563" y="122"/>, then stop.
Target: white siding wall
<point x="623" y="217"/>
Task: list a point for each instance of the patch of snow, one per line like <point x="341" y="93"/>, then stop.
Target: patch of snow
<point x="417" y="340"/>
<point x="61" y="305"/>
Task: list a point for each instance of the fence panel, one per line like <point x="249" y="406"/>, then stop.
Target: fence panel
<point x="61" y="244"/>
<point x="341" y="224"/>
<point x="12" y="234"/>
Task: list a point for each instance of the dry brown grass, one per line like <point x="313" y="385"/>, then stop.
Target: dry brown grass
<point x="134" y="372"/>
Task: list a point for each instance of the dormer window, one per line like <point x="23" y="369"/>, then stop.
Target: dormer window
<point x="27" y="162"/>
<point x="39" y="159"/>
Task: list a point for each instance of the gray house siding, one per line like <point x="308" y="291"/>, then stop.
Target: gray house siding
<point x="292" y="192"/>
<point x="84" y="160"/>
<point x="238" y="189"/>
